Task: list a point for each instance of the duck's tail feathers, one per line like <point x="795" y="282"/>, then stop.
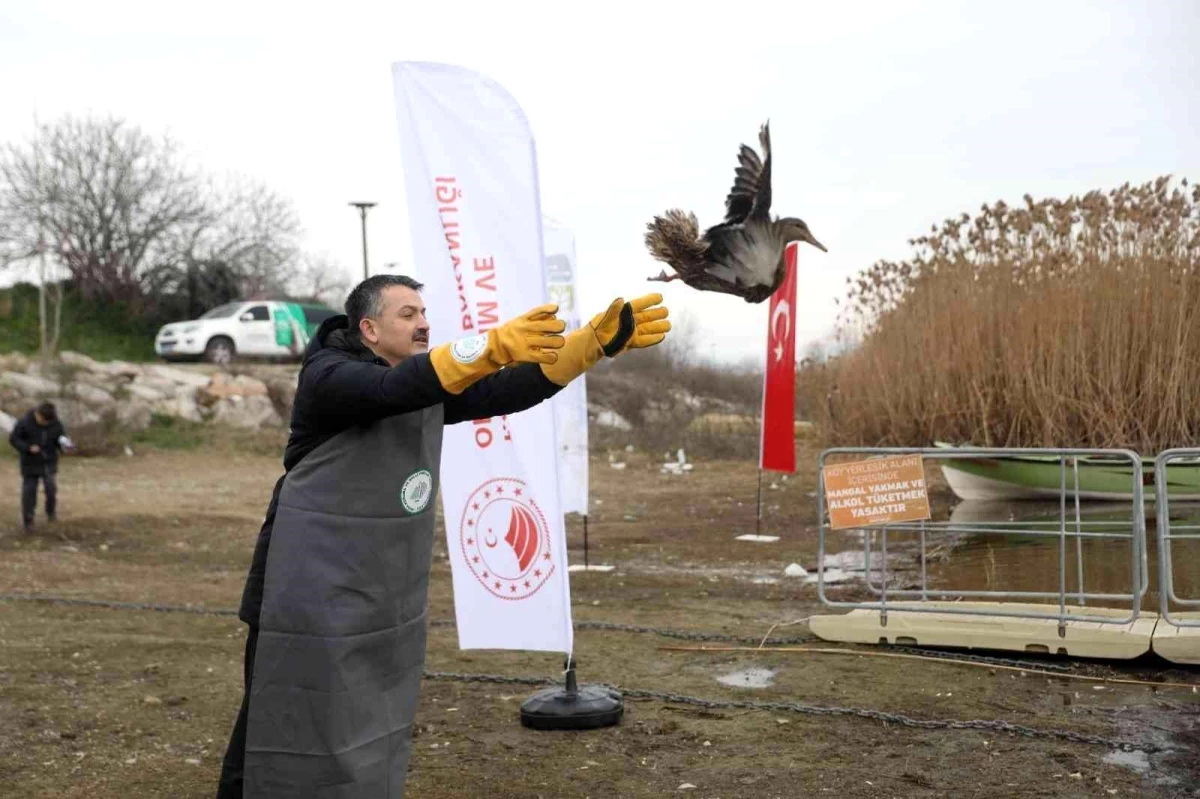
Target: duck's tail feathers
<point x="675" y="239"/>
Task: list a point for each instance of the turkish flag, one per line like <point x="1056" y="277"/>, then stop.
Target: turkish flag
<point x="778" y="447"/>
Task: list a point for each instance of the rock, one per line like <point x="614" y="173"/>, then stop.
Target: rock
<point x="6" y="423"/>
<point x="144" y="392"/>
<point x="180" y="406"/>
<point x="92" y="395"/>
<point x="30" y="386"/>
<point x="163" y="385"/>
<point x="223" y="386"/>
<point x="283" y="392"/>
<point x="179" y="376"/>
<point x="120" y="369"/>
<point x="14" y="362"/>
<point x="795" y="570"/>
<point x="75" y="413"/>
<point x="135" y="414"/>
<point x="252" y="411"/>
<point x="80" y="361"/>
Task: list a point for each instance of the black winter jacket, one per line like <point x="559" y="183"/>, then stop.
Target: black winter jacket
<point x="343" y="384"/>
<point x="27" y="433"/>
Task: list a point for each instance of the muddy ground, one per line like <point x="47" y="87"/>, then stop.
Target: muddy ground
<point x="99" y="702"/>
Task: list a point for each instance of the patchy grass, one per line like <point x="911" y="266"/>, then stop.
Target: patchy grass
<point x="170" y="432"/>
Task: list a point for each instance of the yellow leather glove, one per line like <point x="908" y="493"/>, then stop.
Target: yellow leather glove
<point x="650" y="325"/>
<point x="623" y="326"/>
<point x="529" y="338"/>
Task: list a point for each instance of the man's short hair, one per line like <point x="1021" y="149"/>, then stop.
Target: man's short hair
<point x="366" y="300"/>
<point x="47" y="411"/>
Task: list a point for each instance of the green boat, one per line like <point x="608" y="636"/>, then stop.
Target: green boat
<point x="1039" y="477"/>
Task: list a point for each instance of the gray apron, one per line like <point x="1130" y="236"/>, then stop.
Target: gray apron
<point x="341" y="642"/>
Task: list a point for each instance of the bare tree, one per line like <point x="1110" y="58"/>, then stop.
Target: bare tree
<point x="320" y="278"/>
<point x="107" y="198"/>
<point x="256" y="232"/>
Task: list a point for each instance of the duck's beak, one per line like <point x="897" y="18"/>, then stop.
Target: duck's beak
<point x="811" y="240"/>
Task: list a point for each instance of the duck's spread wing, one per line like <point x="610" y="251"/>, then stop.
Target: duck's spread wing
<point x="751" y="192"/>
<point x="746" y="255"/>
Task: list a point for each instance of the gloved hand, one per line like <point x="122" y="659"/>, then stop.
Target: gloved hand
<point x="650" y="325"/>
<point x="624" y="325"/>
<point x="529" y="338"/>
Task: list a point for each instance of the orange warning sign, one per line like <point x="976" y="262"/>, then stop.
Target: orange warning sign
<point x="876" y="491"/>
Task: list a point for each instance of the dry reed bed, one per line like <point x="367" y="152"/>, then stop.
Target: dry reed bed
<point x="1061" y="323"/>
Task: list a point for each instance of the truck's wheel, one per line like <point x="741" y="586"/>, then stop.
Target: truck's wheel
<point x="219" y="350"/>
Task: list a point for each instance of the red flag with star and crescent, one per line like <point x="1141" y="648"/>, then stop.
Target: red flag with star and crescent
<point x="778" y="444"/>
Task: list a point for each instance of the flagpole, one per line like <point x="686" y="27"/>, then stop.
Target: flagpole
<point x="762" y="426"/>
<point x="758" y="515"/>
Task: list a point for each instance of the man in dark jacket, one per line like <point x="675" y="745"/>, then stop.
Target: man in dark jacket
<point x="336" y="592"/>
<point x="39" y="436"/>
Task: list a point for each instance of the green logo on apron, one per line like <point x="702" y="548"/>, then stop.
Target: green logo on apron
<point x="417" y="490"/>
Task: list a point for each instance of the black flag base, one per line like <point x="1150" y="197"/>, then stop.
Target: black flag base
<point x="572" y="707"/>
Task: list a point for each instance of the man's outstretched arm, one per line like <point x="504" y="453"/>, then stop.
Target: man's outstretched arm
<point x="510" y="390"/>
<point x="624" y="325"/>
<point x="362" y="390"/>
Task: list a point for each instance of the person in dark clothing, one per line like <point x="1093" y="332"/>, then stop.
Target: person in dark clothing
<point x="335" y="596"/>
<point x="39" y="436"/>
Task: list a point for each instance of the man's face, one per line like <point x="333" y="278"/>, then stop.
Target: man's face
<point x="401" y="328"/>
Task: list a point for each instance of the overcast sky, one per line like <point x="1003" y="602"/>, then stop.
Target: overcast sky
<point x="886" y="117"/>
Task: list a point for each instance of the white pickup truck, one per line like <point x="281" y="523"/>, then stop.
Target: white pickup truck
<point x="257" y="328"/>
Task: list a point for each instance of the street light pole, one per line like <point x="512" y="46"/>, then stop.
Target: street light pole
<point x="362" y="209"/>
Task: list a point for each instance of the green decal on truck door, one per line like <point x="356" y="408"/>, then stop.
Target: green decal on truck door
<point x="291" y="327"/>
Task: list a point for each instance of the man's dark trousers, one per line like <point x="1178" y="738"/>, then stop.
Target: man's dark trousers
<point x="233" y="768"/>
<point x="29" y="485"/>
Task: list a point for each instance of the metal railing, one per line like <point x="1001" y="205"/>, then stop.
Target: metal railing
<point x="1068" y="528"/>
<point x="1167" y="533"/>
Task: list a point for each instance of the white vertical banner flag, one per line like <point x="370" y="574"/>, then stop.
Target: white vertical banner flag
<point x="570" y="404"/>
<point x="470" y="174"/>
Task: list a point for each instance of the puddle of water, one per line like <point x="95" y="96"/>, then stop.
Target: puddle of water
<point x="1138" y="761"/>
<point x="973" y="558"/>
<point x="749" y="678"/>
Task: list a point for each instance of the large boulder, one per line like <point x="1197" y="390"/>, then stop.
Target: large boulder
<point x="139" y="390"/>
<point x="80" y="361"/>
<point x="72" y="412"/>
<point x="178" y="376"/>
<point x="134" y="414"/>
<point x="282" y="392"/>
<point x="180" y="406"/>
<point x="6" y="423"/>
<point x="14" y="362"/>
<point x="92" y="395"/>
<point x="119" y="369"/>
<point x="224" y="386"/>
<point x="30" y="386"/>
<point x="163" y="385"/>
<point x="253" y="411"/>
